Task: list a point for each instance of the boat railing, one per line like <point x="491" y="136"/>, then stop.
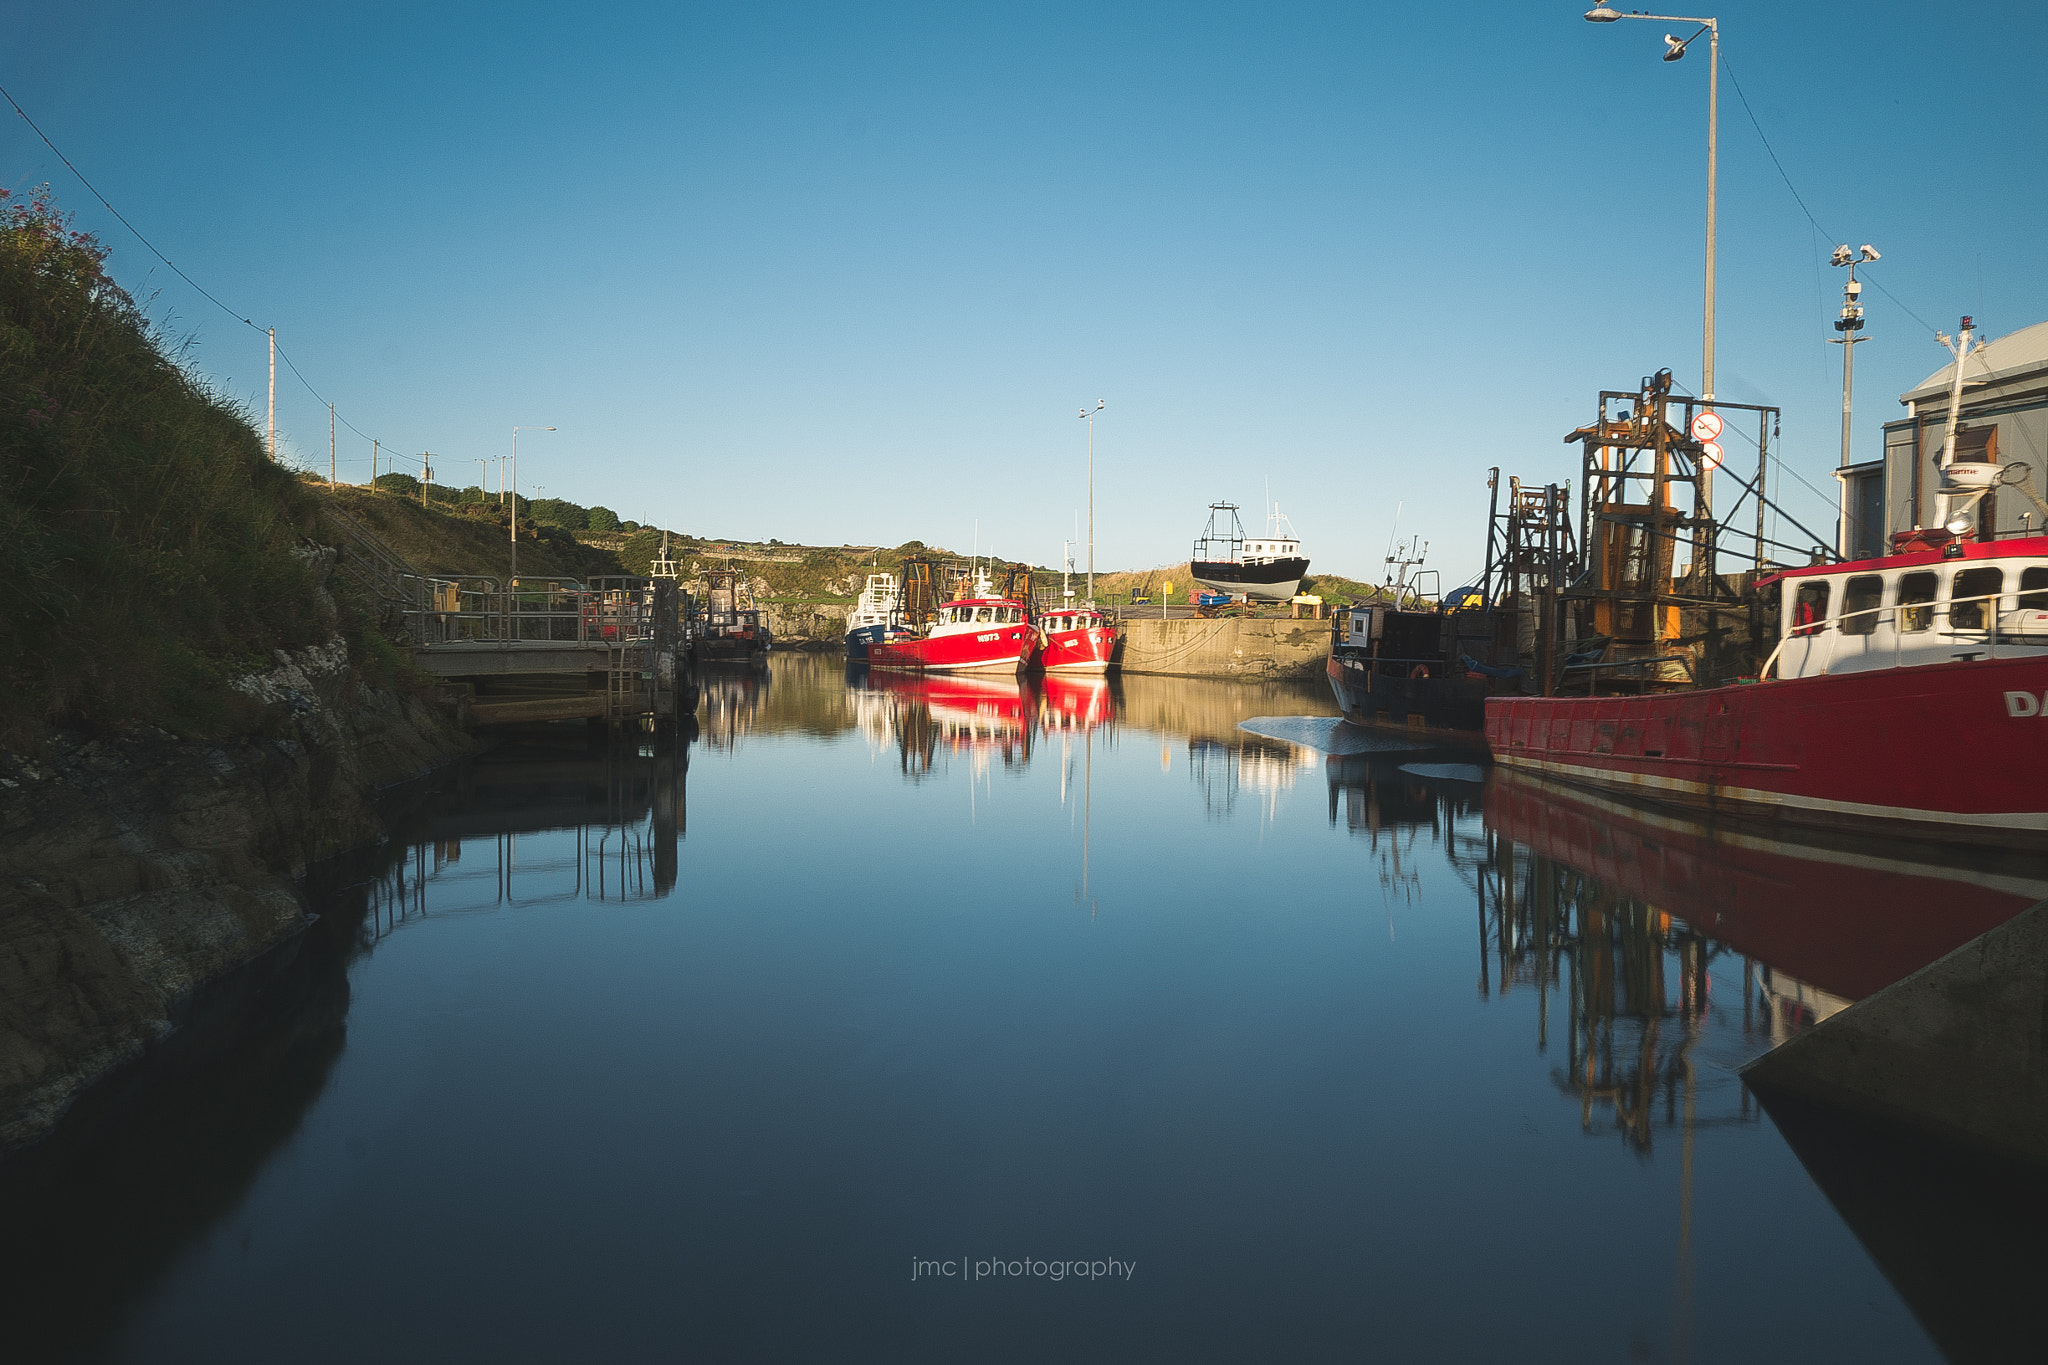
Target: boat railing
<point x="1831" y="631"/>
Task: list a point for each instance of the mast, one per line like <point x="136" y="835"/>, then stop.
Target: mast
<point x="1960" y="348"/>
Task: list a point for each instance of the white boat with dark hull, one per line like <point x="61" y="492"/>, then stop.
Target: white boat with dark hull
<point x="1266" y="569"/>
<point x="877" y="618"/>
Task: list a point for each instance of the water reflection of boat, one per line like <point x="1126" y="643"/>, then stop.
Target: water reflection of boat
<point x="981" y="715"/>
<point x="1848" y="920"/>
<point x="730" y="706"/>
<point x="1599" y="901"/>
<point x="1069" y="703"/>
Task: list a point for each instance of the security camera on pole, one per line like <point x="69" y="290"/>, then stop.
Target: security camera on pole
<point x="1849" y="324"/>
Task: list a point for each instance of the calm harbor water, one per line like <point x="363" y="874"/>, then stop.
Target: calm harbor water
<point x="953" y="1019"/>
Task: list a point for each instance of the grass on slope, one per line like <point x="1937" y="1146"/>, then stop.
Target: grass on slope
<point x="147" y="544"/>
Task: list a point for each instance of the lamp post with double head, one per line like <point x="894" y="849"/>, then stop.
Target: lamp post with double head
<point x="1674" y="49"/>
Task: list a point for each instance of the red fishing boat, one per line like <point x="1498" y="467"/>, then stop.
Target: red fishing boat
<point x="971" y="634"/>
<point x="1910" y="688"/>
<point x="1077" y="640"/>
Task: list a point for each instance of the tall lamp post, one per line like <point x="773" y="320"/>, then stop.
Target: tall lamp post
<point x="515" y="495"/>
<point x="1088" y="416"/>
<point x="1674" y="49"/>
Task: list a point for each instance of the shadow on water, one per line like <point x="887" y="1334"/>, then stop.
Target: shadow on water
<point x="1958" y="1234"/>
<point x="149" y="1159"/>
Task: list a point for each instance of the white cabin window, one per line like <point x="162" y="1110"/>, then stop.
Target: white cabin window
<point x="2034" y="588"/>
<point x="1810" y="607"/>
<point x="1860" y="602"/>
<point x="1973" y="583"/>
<point x="1916" y="601"/>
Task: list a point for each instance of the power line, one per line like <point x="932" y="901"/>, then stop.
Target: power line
<point x="203" y="291"/>
<point x="1800" y="200"/>
<point x="117" y="213"/>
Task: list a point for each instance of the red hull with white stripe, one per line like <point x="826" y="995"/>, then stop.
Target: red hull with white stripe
<point x="1956" y="749"/>
<point x="1077" y="640"/>
<point x="961" y="644"/>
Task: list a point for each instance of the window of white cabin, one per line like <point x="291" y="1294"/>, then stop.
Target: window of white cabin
<point x="1917" y="592"/>
<point x="1973" y="583"/>
<point x="1861" y="599"/>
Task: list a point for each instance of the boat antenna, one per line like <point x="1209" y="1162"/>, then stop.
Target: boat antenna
<point x="1395" y="532"/>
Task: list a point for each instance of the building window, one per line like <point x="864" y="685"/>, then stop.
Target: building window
<point x="1980" y="584"/>
<point x="1860" y="602"/>
<point x="1916" y="601"/>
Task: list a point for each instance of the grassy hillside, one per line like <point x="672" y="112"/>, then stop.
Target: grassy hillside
<point x="472" y="538"/>
<point x="147" y="544"/>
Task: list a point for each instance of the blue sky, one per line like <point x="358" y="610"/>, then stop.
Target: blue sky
<point x="846" y="273"/>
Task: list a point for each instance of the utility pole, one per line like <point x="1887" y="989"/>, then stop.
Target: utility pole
<point x="426" y="474"/>
<point x="375" y="450"/>
<point x="273" y="395"/>
<point x="330" y="445"/>
<point x="1849" y="324"/>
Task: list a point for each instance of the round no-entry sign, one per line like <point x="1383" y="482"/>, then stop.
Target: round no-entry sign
<point x="1707" y="426"/>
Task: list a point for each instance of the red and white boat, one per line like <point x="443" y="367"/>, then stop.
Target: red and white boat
<point x="1077" y="640"/>
<point x="973" y="634"/>
<point x="1910" y="688"/>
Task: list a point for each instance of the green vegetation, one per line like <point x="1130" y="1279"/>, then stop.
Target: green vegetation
<point x="147" y="544"/>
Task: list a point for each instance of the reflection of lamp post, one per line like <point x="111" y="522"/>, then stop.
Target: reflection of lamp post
<point x="515" y="494"/>
<point x="1673" y="50"/>
<point x="1088" y="416"/>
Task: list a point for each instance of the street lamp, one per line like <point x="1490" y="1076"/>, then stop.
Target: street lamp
<point x="1674" y="49"/>
<point x="1088" y="416"/>
<point x="515" y="494"/>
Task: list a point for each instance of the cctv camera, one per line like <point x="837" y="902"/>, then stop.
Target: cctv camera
<point x="1842" y="255"/>
<point x="1869" y="252"/>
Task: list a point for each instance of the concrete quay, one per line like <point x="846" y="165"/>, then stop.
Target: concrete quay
<point x="1234" y="647"/>
<point x="1959" y="1049"/>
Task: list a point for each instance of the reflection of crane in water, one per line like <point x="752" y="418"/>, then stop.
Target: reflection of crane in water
<point x="1635" y="981"/>
<point x="1392" y="810"/>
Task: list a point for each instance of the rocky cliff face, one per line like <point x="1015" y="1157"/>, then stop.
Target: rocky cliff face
<point x="135" y="870"/>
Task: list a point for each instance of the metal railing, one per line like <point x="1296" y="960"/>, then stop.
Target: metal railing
<point x="478" y="609"/>
<point x="1990" y="635"/>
